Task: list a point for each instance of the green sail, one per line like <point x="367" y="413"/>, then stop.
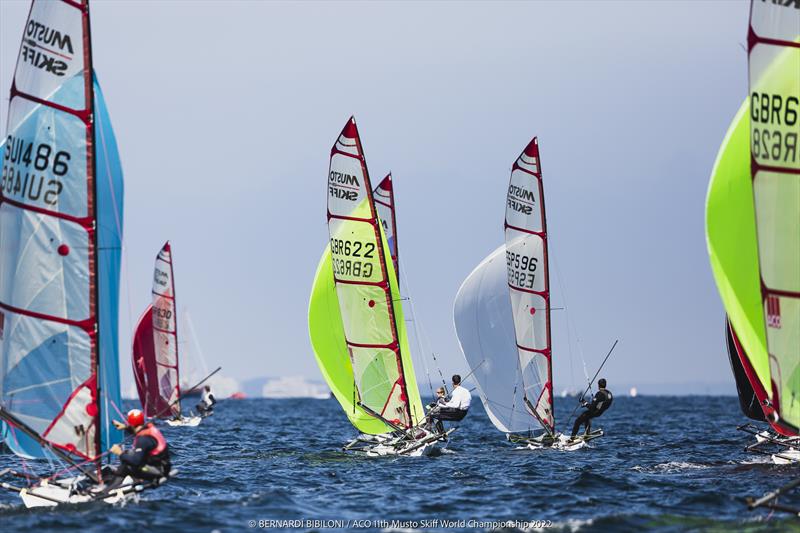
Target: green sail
<point x="326" y="331"/>
<point x="753" y="216"/>
<point x="732" y="242"/>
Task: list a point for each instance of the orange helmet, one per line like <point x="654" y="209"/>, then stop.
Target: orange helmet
<point x="135" y="418"/>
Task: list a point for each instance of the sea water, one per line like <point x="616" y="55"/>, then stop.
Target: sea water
<point x="665" y="464"/>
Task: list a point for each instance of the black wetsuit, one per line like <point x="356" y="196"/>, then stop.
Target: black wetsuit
<point x="600" y="404"/>
<point x="139" y="463"/>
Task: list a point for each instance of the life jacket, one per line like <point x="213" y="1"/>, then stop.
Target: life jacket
<point x="151" y="431"/>
<point x="603" y="405"/>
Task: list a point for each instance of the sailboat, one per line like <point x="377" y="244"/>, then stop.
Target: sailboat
<point x="61" y="205"/>
<point x="155" y="349"/>
<point x="355" y="316"/>
<point x="502" y="318"/>
<point x="753" y="232"/>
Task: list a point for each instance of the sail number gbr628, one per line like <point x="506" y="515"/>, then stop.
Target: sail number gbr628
<point x="358" y="260"/>
<point x="521" y="269"/>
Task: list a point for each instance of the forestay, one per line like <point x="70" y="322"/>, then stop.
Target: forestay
<point x="528" y="282"/>
<point x="485" y="329"/>
<point x="366" y="289"/>
<point x="60" y="234"/>
<point x="774" y="74"/>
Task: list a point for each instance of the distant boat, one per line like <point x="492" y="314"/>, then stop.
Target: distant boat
<point x="633" y="393"/>
<point x="238" y="396"/>
<point x="155" y="349"/>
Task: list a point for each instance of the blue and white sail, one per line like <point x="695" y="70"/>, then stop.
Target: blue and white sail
<point x="61" y="200"/>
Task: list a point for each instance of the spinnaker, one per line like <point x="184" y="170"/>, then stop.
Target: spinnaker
<point x="753" y="218"/>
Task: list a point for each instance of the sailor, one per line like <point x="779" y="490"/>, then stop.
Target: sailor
<point x="600" y="404"/>
<point x="441" y="397"/>
<point x="148" y="457"/>
<point x="455" y="409"/>
<point x="207" y="401"/>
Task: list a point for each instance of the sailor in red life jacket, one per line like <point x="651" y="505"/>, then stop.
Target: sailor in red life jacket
<point x="148" y="457"/>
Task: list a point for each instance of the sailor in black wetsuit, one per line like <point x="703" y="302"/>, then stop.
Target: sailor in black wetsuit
<point x="149" y="457"/>
<point x="600" y="404"/>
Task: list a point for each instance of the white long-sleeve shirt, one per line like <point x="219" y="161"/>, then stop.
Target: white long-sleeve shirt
<point x="460" y="398"/>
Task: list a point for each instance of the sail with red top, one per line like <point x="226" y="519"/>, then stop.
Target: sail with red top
<point x="355" y="315"/>
<point x="155" y="345"/>
<point x="60" y="243"/>
<point x="529" y="284"/>
<point x="384" y="205"/>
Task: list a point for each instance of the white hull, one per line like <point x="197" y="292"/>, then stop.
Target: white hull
<point x="561" y="442"/>
<point x="190" y="421"/>
<point x="62" y="492"/>
<point x="394" y="445"/>
<point x="787" y="457"/>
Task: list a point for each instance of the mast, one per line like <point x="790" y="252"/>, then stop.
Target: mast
<point x="92" y="173"/>
<point x="529" y="283"/>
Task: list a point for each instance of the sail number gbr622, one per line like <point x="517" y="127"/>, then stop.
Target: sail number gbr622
<point x="521" y="269"/>
<point x="359" y="258"/>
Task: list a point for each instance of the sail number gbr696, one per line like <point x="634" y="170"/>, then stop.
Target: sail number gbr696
<point x="358" y="260"/>
<point x="521" y="269"/>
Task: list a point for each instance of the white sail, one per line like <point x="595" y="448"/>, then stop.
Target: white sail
<point x="528" y="283"/>
<point x="485" y="330"/>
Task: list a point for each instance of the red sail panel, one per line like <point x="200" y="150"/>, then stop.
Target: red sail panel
<point x="144" y="366"/>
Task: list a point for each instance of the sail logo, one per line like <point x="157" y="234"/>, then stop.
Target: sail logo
<point x="46" y="48"/>
<point x="784" y="3"/>
<point x="773" y="312"/>
<point x="343" y="186"/>
<point x="520" y="199"/>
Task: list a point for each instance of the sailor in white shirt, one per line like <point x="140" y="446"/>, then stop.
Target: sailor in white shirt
<point x="460" y="398"/>
<point x="455" y="409"/>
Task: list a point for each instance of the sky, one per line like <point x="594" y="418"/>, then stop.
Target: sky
<point x="225" y="113"/>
